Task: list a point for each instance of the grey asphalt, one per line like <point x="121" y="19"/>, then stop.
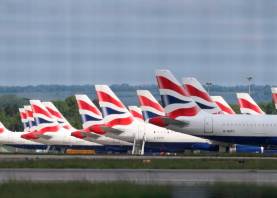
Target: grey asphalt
<point x="15" y="157"/>
<point x="175" y="177"/>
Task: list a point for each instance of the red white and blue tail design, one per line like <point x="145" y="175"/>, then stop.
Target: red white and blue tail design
<point x="200" y="95"/>
<point x="248" y="105"/>
<point x="30" y="117"/>
<point x="90" y="114"/>
<point x="24" y="119"/>
<point x="274" y="95"/>
<point x="223" y="105"/>
<point x="45" y="121"/>
<point x="56" y="114"/>
<point x="175" y="98"/>
<point x="150" y="107"/>
<point x="136" y="112"/>
<point x="115" y="113"/>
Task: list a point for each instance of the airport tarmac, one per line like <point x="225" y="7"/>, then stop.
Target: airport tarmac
<point x="18" y="157"/>
<point x="175" y="177"/>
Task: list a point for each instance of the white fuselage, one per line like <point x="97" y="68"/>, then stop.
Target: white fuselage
<point x="152" y="133"/>
<point x="14" y="138"/>
<point x="238" y="129"/>
<point x="63" y="137"/>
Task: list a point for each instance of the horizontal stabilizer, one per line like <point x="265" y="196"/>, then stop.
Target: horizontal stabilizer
<point x="46" y="137"/>
<point x="90" y="135"/>
<point x="111" y="130"/>
<point x="173" y="122"/>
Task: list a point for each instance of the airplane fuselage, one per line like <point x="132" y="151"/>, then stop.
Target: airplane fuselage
<point x="235" y="129"/>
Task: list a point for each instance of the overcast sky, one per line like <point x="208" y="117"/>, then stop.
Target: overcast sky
<point x="125" y="41"/>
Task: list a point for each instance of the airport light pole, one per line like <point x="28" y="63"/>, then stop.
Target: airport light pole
<point x="250" y="78"/>
<point x="209" y="84"/>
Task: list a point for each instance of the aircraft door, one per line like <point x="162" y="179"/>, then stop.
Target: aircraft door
<point x="208" y="125"/>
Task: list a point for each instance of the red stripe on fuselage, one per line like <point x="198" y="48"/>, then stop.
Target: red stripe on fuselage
<point x="183" y="112"/>
<point x="120" y="121"/>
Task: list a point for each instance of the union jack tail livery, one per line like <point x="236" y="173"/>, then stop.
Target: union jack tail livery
<point x="91" y="116"/>
<point x="175" y="98"/>
<point x="274" y="95"/>
<point x="30" y="117"/>
<point x="45" y="121"/>
<point x="136" y="112"/>
<point x="248" y="105"/>
<point x="56" y="114"/>
<point x="223" y="105"/>
<point x="150" y="107"/>
<point x="24" y="119"/>
<point x="200" y="95"/>
<point x="114" y="111"/>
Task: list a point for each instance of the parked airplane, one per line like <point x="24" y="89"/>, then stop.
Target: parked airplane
<point x="223" y="105"/>
<point x="92" y="126"/>
<point x="14" y="139"/>
<point x="144" y="135"/>
<point x="248" y="105"/>
<point x="136" y="113"/>
<point x="50" y="132"/>
<point x="274" y="95"/>
<point x="200" y="95"/>
<point x="152" y="111"/>
<point x="151" y="107"/>
<point x="236" y="129"/>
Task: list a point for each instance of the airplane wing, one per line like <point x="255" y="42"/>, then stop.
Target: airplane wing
<point x="111" y="130"/>
<point x="176" y="123"/>
<point x="47" y="137"/>
<point x="91" y="135"/>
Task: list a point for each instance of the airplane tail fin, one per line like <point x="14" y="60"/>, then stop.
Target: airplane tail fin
<point x="115" y="113"/>
<point x="30" y="117"/>
<point x="223" y="105"/>
<point x="248" y="105"/>
<point x="175" y="99"/>
<point x="24" y="120"/>
<point x="45" y="121"/>
<point x="200" y="95"/>
<point x="136" y="112"/>
<point x="91" y="116"/>
<point x="274" y="95"/>
<point x="57" y="115"/>
<point x="150" y="107"/>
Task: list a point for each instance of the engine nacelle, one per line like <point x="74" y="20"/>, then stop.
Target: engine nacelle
<point x="239" y="148"/>
<point x="205" y="147"/>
